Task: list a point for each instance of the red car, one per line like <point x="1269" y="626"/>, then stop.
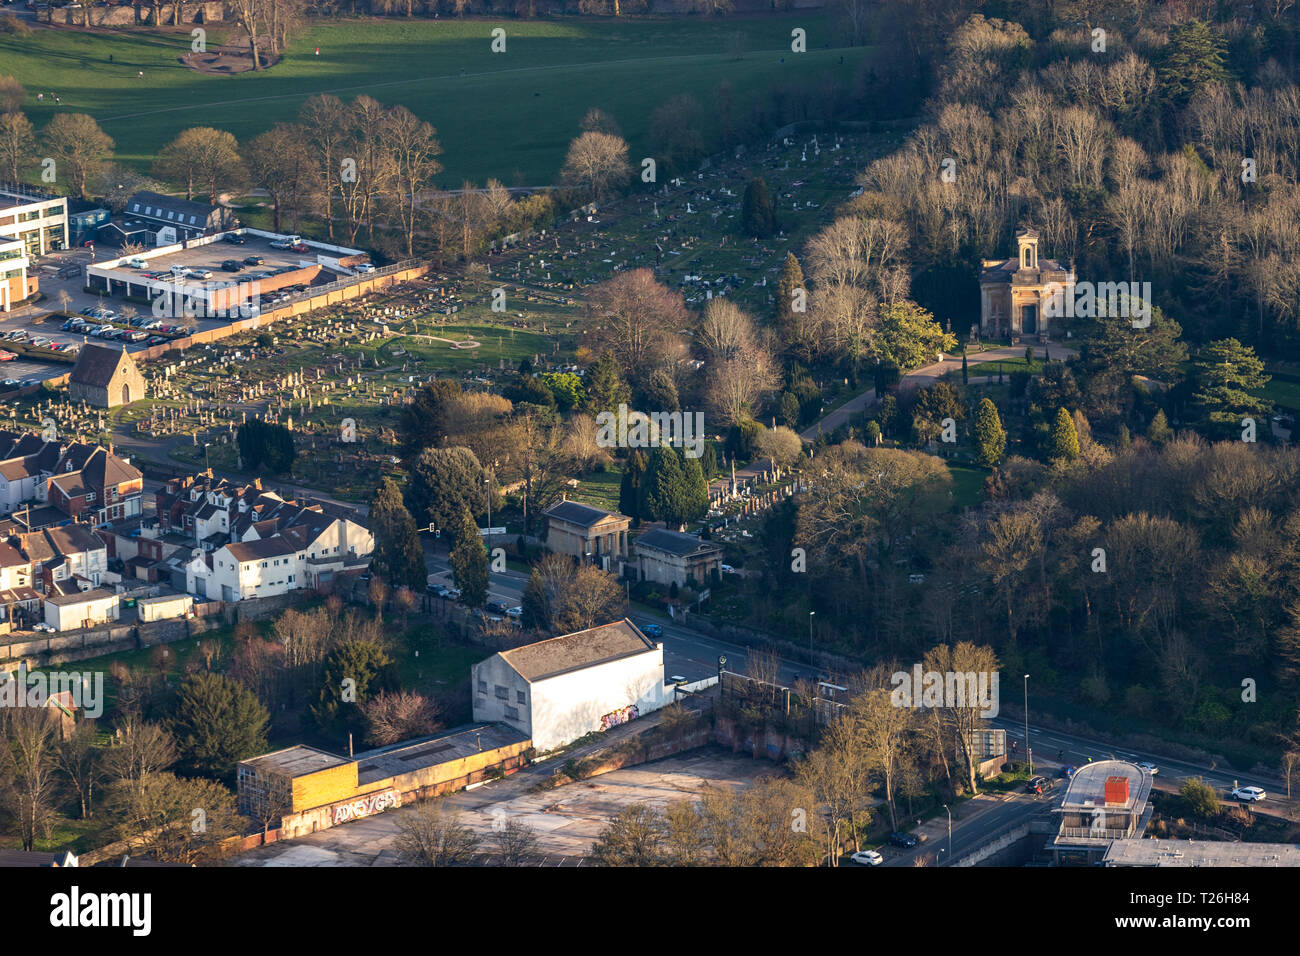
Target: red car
<point x="7" y="356"/>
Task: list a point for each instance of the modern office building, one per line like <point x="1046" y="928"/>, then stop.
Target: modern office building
<point x="32" y="223"/>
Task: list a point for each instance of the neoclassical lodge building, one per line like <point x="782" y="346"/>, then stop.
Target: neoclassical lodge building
<point x="1014" y="292"/>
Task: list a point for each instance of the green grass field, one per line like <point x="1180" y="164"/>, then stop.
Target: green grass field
<point x="510" y="115"/>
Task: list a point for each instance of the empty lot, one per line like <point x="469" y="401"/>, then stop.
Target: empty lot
<point x="567" y="819"/>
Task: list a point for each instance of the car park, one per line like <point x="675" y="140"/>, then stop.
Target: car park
<point x="867" y="858"/>
<point x="1249" y="794"/>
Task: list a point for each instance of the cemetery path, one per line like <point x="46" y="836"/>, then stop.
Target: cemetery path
<point x="921" y="378"/>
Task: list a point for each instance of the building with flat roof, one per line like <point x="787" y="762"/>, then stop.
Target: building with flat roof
<point x="1106" y="801"/>
<point x="32" y="223"/>
<point x="557" y="690"/>
<point x="304" y="789"/>
<point x="1200" y="853"/>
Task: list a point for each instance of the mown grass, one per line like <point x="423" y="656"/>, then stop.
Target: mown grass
<point x="507" y="115"/>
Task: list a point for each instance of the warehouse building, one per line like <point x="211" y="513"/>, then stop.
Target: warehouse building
<point x="303" y="789"/>
<point x="557" y="690"/>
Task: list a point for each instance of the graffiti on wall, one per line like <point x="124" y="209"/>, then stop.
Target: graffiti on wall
<point x="620" y="716"/>
<point x="367" y="806"/>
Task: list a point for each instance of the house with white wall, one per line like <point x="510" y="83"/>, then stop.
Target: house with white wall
<point x="557" y="690"/>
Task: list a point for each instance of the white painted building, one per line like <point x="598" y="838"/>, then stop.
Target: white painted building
<point x="300" y="556"/>
<point x="32" y="224"/>
<point x="67" y="612"/>
<point x="557" y="690"/>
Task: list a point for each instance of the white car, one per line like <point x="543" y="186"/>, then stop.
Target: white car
<point x="1249" y="794"/>
<point x="43" y="627"/>
<point x="728" y="569"/>
<point x="365" y="267"/>
<point x="867" y="858"/>
<point x="515" y="612"/>
<point x="1149" y="768"/>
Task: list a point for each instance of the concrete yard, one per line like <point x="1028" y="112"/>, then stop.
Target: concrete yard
<point x="567" y="819"/>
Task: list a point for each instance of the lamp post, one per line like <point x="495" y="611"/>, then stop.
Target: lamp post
<point x="1029" y="751"/>
<point x="945" y="806"/>
<point x="488" y="483"/>
<point x="811" y="615"/>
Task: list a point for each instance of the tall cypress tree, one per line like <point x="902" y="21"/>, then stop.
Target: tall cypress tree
<point x="757" y="217"/>
<point x="990" y="437"/>
<point x="469" y="562"/>
<point x="791" y="279"/>
<point x="665" y="487"/>
<point x="630" y="490"/>
<point x="398" y="556"/>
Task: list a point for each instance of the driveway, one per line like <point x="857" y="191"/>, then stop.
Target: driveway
<point x="923" y="377"/>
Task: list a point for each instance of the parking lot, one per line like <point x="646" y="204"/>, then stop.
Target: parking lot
<point x="67" y="292"/>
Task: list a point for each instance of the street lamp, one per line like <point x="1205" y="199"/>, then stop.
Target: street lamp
<point x="1029" y="751"/>
<point x="811" y="614"/>
<point x="945" y="806"/>
<point x="488" y="537"/>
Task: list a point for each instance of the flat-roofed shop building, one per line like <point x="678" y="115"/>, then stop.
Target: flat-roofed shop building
<point x="557" y="690"/>
<point x="1106" y="801"/>
<point x="32" y="223"/>
<point x="304" y="789"/>
<point x="168" y="276"/>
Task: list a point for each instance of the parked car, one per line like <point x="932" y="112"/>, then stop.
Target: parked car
<point x="300" y="247"/>
<point x="1036" y="785"/>
<point x="156" y="340"/>
<point x="136" y="263"/>
<point x="1149" y="768"/>
<point x="232" y="265"/>
<point x="1249" y="794"/>
<point x="200" y="274"/>
<point x="652" y="630"/>
<point x="365" y="267"/>
<point x="905" y="840"/>
<point x="40" y="341"/>
<point x="867" y="858"/>
<point x="280" y="244"/>
<point x="234" y="238"/>
<point x="7" y="356"/>
<point x="136" y="336"/>
<point x="253" y="260"/>
<point x="728" y="569"/>
<point x="515" y="612"/>
<point x="496" y="607"/>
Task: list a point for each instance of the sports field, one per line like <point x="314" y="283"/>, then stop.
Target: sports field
<point x="506" y="115"/>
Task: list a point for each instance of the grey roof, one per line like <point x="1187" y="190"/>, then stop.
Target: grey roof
<point x="411" y="755"/>
<point x="674" y="542"/>
<point x="570" y="652"/>
<point x="583" y="515"/>
<point x="81" y="597"/>
<point x="1158" y="852"/>
<point x="295" y="761"/>
<point x="96" y="365"/>
<point x="182" y="207"/>
<point x="275" y="547"/>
